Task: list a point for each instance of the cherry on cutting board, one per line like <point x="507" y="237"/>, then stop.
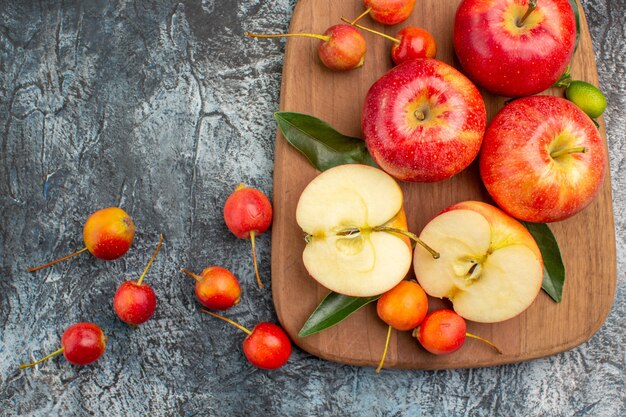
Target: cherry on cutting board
<point x="444" y="331"/>
<point x="267" y="346"/>
<point x="342" y="48"/>
<point x="216" y="287"/>
<point x="403" y="308"/>
<point x="387" y="12"/>
<point x="81" y="344"/>
<point x="247" y="213"/>
<point x="134" y="301"/>
<point x="108" y="234"/>
<point x="410" y="43"/>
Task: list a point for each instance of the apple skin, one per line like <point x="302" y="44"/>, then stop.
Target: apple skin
<point x="441" y="145"/>
<point x="414" y="43"/>
<point x="511" y="61"/>
<point x="441" y="332"/>
<point x="83" y="343"/>
<point x="390" y="12"/>
<point x="518" y="171"/>
<point x="345" y="50"/>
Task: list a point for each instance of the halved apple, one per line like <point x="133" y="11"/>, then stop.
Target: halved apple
<point x="347" y="213"/>
<point x="490" y="266"/>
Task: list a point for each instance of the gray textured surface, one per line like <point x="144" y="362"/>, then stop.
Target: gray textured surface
<point x="162" y="108"/>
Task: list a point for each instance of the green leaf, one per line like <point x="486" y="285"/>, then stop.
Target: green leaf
<point x="553" y="268"/>
<point x="322" y="145"/>
<point x="574" y="5"/>
<point x="333" y="309"/>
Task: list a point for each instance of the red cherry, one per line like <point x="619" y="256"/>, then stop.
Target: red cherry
<point x="247" y="213"/>
<point x="216" y="288"/>
<point x="108" y="234"/>
<point x="81" y="344"/>
<point x="444" y="331"/>
<point x="267" y="346"/>
<point x="414" y="43"/>
<point x="134" y="302"/>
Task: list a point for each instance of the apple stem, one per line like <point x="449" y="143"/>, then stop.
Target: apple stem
<point x="237" y="325"/>
<point x="359" y="17"/>
<point x="286" y="35"/>
<point x="473" y="336"/>
<point x="532" y="5"/>
<point x="71" y="255"/>
<point x="256" y="267"/>
<point x="241" y="186"/>
<point x="28" y="365"/>
<point x="191" y="274"/>
<point x="382" y="360"/>
<point x="145" y="271"/>
<point x="567" y="151"/>
<point x="410" y="235"/>
<point x="384" y="35"/>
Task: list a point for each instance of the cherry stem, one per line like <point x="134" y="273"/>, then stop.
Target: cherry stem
<point x="359" y="17"/>
<point x="256" y="267"/>
<point x="410" y="235"/>
<point x="473" y="336"/>
<point x="382" y="360"/>
<point x="45" y="358"/>
<point x="71" y="255"/>
<point x="191" y="274"/>
<point x="241" y="186"/>
<point x="384" y="35"/>
<point x="237" y="325"/>
<point x="287" y="35"/>
<point x="145" y="271"/>
<point x="532" y="5"/>
<point x="567" y="151"/>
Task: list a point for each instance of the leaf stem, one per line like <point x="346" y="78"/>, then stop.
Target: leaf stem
<point x="359" y="17"/>
<point x="384" y="35"/>
<point x="287" y="35"/>
<point x="71" y="255"/>
<point x="227" y="320"/>
<point x="410" y="235"/>
<point x="473" y="336"/>
<point x="28" y="365"/>
<point x="382" y="360"/>
<point x="145" y="271"/>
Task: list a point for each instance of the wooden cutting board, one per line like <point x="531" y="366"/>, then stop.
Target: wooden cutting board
<point x="587" y="240"/>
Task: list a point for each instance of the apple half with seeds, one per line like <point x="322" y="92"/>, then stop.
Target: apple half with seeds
<point x="349" y="214"/>
<point x="490" y="267"/>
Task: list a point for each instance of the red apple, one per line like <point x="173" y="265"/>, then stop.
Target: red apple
<point x="344" y="50"/>
<point x="511" y="51"/>
<point x="423" y="121"/>
<point x="543" y="159"/>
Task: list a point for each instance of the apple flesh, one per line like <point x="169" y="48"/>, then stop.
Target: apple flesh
<point x="511" y="57"/>
<point x="340" y="211"/>
<point x="423" y="121"/>
<point x="490" y="266"/>
<point x="542" y="160"/>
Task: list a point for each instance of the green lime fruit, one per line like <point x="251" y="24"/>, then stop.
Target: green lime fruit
<point x="588" y="97"/>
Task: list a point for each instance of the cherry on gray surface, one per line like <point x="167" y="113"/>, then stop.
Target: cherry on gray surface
<point x="162" y="108"/>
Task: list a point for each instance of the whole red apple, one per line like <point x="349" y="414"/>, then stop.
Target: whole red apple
<point x="134" y="303"/>
<point x="511" y="48"/>
<point x="542" y="159"/>
<point x="423" y="121"/>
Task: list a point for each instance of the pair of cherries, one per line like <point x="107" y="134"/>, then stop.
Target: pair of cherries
<point x="343" y="47"/>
